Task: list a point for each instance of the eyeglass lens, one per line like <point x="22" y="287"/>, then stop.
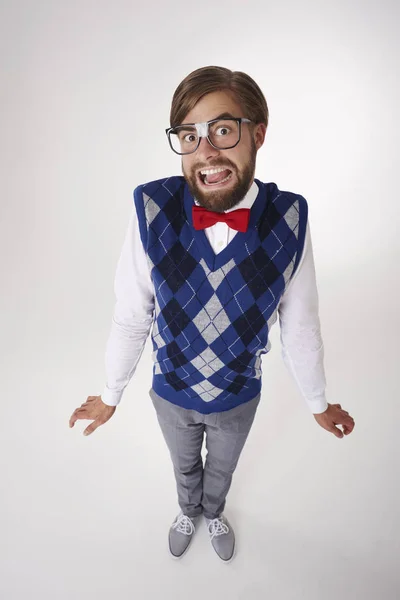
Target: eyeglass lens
<point x="223" y="133"/>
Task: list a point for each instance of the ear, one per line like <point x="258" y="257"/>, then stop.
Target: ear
<point x="259" y="134"/>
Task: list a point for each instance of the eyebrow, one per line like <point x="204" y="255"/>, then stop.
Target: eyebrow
<point x="224" y="115"/>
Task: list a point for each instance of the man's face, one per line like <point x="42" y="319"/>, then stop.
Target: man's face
<point x="240" y="160"/>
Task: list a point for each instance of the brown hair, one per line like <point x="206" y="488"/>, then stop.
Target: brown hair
<point x="212" y="79"/>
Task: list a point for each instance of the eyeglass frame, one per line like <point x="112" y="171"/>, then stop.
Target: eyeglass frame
<point x="202" y="132"/>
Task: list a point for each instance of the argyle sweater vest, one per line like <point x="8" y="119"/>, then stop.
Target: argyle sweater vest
<point x="213" y="312"/>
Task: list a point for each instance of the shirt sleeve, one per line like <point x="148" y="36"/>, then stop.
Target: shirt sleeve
<point x="300" y="331"/>
<point x="132" y="317"/>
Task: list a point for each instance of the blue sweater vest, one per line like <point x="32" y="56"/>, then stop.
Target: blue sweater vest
<point x="213" y="312"/>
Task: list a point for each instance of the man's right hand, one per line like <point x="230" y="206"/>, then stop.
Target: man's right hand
<point x="93" y="408"/>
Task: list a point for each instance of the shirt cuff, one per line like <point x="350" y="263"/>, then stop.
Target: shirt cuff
<point x="111" y="398"/>
<point x="318" y="404"/>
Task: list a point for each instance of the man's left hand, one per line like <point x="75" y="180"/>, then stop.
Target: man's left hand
<point x="335" y="415"/>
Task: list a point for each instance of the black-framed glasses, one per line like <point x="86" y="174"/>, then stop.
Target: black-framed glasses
<point x="221" y="133"/>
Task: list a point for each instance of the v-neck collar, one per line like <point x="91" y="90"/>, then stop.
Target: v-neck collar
<point x="215" y="261"/>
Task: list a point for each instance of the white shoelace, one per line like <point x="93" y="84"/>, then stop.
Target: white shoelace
<point x="184" y="525"/>
<point x="217" y="527"/>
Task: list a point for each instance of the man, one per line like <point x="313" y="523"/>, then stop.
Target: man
<point x="209" y="261"/>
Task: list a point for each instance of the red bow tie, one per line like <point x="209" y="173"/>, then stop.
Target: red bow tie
<point x="237" y="219"/>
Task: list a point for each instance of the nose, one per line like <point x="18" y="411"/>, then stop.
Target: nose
<point x="206" y="150"/>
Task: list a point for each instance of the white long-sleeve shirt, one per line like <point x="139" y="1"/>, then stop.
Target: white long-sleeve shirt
<point x="300" y="333"/>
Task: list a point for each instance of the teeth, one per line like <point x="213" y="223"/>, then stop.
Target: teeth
<point x="211" y="171"/>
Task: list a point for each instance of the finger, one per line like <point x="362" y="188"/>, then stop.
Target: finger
<point x="336" y="431"/>
<point x="342" y="418"/>
<point x="348" y="425"/>
<point x="92" y="427"/>
<point x="349" y="428"/>
<point x="81" y="413"/>
<point x="73" y="418"/>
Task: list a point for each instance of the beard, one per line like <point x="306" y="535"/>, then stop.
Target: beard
<point x="223" y="199"/>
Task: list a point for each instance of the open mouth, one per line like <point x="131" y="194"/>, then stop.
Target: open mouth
<point x="221" y="178"/>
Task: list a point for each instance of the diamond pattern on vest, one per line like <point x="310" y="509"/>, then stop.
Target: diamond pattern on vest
<point x="211" y="327"/>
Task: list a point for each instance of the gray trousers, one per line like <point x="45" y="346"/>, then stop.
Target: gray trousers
<point x="203" y="488"/>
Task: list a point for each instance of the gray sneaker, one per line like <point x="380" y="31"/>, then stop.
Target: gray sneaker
<point x="181" y="533"/>
<point x="222" y="537"/>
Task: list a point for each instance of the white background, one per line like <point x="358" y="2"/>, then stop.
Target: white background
<point x="86" y="89"/>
